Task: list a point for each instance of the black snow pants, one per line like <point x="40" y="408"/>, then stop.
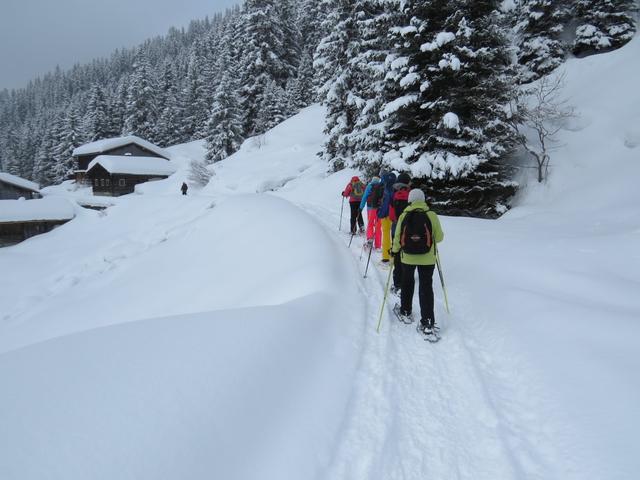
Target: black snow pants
<point x="425" y="291"/>
<point x="397" y="271"/>
<point x="356" y="216"/>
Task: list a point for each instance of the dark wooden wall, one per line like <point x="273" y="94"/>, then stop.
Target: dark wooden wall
<point x="16" y="232"/>
<point x="104" y="183"/>
<point x="13" y="192"/>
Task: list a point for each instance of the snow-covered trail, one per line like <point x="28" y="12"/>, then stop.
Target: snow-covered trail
<point x="452" y="410"/>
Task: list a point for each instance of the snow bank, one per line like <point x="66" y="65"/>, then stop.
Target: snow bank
<point x="245" y="393"/>
<point x="254" y="387"/>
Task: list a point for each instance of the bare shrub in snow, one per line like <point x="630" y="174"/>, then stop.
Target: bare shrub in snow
<point x="538" y="114"/>
<point x="199" y="174"/>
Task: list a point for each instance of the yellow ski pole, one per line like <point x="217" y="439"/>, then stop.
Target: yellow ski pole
<point x="384" y="300"/>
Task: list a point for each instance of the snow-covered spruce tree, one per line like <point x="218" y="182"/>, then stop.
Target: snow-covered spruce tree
<point x="539" y="35"/>
<point x="300" y="90"/>
<point x="332" y="61"/>
<point x="67" y="138"/>
<point x="265" y="56"/>
<point x="141" y="111"/>
<point x="603" y="25"/>
<point x="449" y="84"/>
<point x="273" y="108"/>
<point x="374" y="19"/>
<point x="97" y="123"/>
<point x="118" y="108"/>
<point x="44" y="165"/>
<point x="309" y="21"/>
<point x="224" y="132"/>
<point x="11" y="156"/>
<point x="169" y="125"/>
<point x="292" y="40"/>
<point x="197" y="95"/>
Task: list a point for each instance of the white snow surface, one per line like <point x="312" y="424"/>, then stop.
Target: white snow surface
<point x="230" y="334"/>
<point x="19" y="181"/>
<point x="128" y="164"/>
<point x="100" y="146"/>
<point x="48" y="208"/>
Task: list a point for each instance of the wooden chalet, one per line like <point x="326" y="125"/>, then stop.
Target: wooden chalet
<point x="120" y="146"/>
<point x="22" y="219"/>
<point x="113" y="175"/>
<point x="13" y="188"/>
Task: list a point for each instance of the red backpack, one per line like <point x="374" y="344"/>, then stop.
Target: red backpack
<point x="399" y="202"/>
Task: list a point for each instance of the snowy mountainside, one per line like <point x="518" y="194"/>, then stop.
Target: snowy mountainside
<point x="230" y="334"/>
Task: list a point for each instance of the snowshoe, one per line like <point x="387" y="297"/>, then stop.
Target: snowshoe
<point x="430" y="334"/>
<point x="402" y="317"/>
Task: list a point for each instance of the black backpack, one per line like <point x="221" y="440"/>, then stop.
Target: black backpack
<point x="374" y="200"/>
<point x="417" y="233"/>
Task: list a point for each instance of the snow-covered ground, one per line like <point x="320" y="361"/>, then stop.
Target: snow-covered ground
<point x="230" y="334"/>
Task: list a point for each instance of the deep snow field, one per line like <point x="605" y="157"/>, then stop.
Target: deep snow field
<point x="229" y="334"/>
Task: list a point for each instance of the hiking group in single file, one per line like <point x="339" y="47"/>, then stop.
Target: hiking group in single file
<point x="400" y="224"/>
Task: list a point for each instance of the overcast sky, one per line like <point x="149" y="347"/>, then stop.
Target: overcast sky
<point x="37" y="35"/>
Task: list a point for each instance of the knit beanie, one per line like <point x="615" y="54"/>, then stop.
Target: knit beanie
<point x="416" y="195"/>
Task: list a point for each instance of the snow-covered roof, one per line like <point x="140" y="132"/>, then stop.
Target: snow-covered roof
<point x="130" y="165"/>
<point x="19" y="182"/>
<point x="47" y="208"/>
<point x="107" y="144"/>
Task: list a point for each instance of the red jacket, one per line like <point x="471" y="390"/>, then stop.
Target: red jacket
<point x="354" y="190"/>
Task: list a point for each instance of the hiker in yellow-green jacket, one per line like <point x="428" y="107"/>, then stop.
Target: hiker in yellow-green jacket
<point x="415" y="239"/>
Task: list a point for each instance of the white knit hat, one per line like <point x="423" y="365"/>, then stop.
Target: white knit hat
<point x="416" y="195"/>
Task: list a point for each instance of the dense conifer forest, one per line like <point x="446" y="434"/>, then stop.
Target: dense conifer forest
<point x="416" y="85"/>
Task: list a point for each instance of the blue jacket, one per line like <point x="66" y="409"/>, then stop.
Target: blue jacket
<point x="388" y="179"/>
<point x="367" y="192"/>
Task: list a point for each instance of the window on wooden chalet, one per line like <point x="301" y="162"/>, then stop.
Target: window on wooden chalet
<point x="102" y="182"/>
<point x="97" y="182"/>
<point x="107" y="182"/>
<point x="121" y="182"/>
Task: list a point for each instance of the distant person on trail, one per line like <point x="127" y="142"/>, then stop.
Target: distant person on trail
<point x="417" y="233"/>
<point x="354" y="190"/>
<point x="388" y="180"/>
<point x="399" y="202"/>
<point x="372" y="198"/>
<point x="184" y="188"/>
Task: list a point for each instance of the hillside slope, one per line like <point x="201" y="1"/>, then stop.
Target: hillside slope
<point x="230" y="333"/>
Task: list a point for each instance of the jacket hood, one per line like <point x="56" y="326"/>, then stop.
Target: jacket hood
<point x="355" y="179"/>
<point x="389" y="179"/>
